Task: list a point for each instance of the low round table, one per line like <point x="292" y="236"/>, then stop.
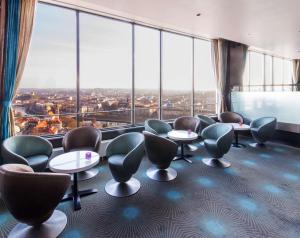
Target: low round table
<point x="73" y="163"/>
<point x="182" y="137"/>
<point x="237" y="128"/>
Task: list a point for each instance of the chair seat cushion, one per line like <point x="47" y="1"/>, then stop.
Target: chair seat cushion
<point x="38" y="162"/>
<point x="254" y="129"/>
<point x="210" y="142"/>
<point x="116" y="159"/>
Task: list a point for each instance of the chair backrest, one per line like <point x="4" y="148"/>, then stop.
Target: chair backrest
<point x="158" y="149"/>
<point x="156" y="126"/>
<point x="231" y="117"/>
<point x="186" y="123"/>
<point x="81" y="138"/>
<point x="26" y="145"/>
<point x="204" y="121"/>
<point x="132" y="146"/>
<point x="31" y="197"/>
<point x="263" y="121"/>
<point x="222" y="133"/>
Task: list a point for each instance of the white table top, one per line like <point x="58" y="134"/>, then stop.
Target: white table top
<point x="73" y="162"/>
<point x="181" y="135"/>
<point x="238" y="127"/>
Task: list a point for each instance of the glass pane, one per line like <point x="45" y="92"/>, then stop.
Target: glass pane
<point x="277" y="73"/>
<point x="287" y="75"/>
<point x="147" y="73"/>
<point x="45" y="125"/>
<point x="246" y="73"/>
<point x="48" y="86"/>
<point x="142" y="114"/>
<point x="177" y="77"/>
<point x="105" y="119"/>
<point x="205" y="83"/>
<point x="268" y="72"/>
<point x="105" y="67"/>
<point x="256" y="69"/>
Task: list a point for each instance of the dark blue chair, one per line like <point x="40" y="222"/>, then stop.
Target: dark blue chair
<point x="124" y="154"/>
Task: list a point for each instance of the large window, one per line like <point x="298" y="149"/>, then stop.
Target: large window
<point x="46" y="100"/>
<point x="89" y="70"/>
<point x="177" y="68"/>
<point x="256" y="71"/>
<point x="147" y="73"/>
<point x="204" y="82"/>
<point x="267" y="73"/>
<point x="105" y="71"/>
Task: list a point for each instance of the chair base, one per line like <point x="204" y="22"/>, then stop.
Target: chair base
<point x="257" y="145"/>
<point x="85" y="175"/>
<point x="126" y="189"/>
<point x="161" y="174"/>
<point x="49" y="229"/>
<point x="192" y="148"/>
<point x="220" y="163"/>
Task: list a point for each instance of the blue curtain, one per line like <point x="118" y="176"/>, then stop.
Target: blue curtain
<point x="10" y="62"/>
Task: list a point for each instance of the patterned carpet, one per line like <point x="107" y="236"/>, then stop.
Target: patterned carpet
<point x="259" y="196"/>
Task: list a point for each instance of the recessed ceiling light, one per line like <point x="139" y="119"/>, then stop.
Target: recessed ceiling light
<point x="198" y="14"/>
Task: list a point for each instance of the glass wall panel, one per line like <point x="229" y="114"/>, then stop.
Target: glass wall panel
<point x="105" y="69"/>
<point x="259" y="104"/>
<point x="46" y="100"/>
<point x="147" y="73"/>
<point x="268" y="73"/>
<point x="204" y="81"/>
<point x="177" y="68"/>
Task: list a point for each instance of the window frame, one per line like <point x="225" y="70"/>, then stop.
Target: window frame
<point x="133" y="24"/>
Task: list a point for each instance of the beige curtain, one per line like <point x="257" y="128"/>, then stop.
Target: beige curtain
<point x="27" y="13"/>
<point x="296" y="73"/>
<point x="220" y="58"/>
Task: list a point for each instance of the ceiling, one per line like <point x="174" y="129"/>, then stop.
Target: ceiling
<point x="268" y="25"/>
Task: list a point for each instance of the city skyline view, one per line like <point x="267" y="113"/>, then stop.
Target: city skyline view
<point x="46" y="101"/>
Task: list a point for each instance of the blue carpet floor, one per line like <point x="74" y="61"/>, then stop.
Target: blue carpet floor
<point x="258" y="196"/>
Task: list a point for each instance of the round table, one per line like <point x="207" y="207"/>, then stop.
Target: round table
<point x="237" y="128"/>
<point x="183" y="137"/>
<point x="73" y="163"/>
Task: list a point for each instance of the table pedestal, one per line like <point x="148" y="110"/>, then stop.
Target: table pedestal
<point x="236" y="143"/>
<point x="75" y="194"/>
<point x="182" y="155"/>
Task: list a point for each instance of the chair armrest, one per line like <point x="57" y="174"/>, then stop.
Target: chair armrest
<point x="137" y="153"/>
<point x="116" y="146"/>
<point x="11" y="157"/>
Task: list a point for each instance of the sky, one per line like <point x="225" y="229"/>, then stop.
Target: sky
<point x="106" y="55"/>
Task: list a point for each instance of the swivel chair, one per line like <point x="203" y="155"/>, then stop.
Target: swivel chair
<point x="161" y="152"/>
<point x="124" y="155"/>
<point x="83" y="138"/>
<point x="217" y="141"/>
<point x="187" y="123"/>
<point x="262" y="129"/>
<point x="231" y="117"/>
<point x="32" y="198"/>
<point x="33" y="151"/>
<point x="157" y="127"/>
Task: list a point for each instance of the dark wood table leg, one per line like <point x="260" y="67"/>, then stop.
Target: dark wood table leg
<point x="182" y="155"/>
<point x="75" y="194"/>
<point x="236" y="143"/>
